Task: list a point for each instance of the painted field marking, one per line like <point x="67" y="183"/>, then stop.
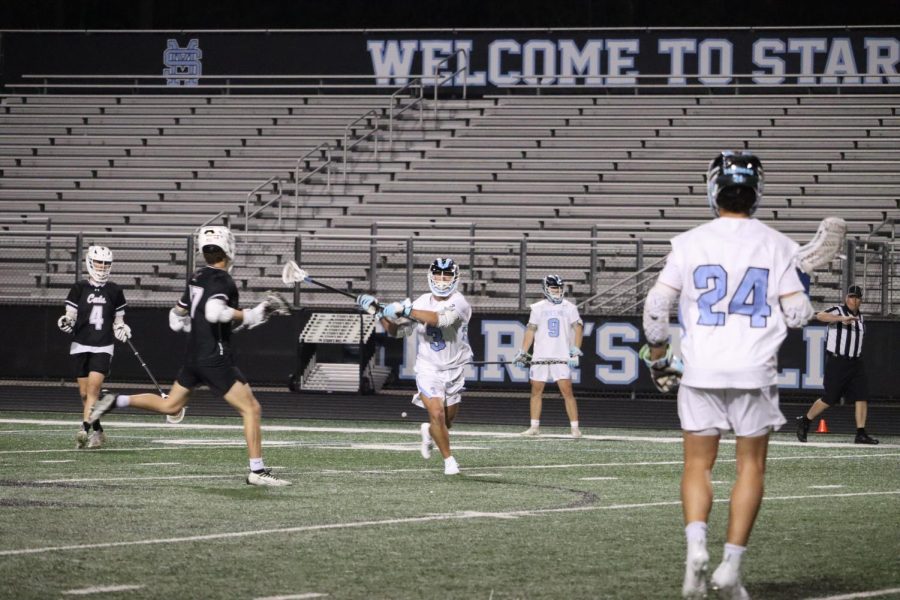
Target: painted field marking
<point x="159" y="464"/>
<point x="597" y="478"/>
<point x="65" y="460"/>
<point x="102" y="589"/>
<point x="293" y="596"/>
<point x="825" y="487"/>
<point x="458" y="516"/>
<point x="872" y="594"/>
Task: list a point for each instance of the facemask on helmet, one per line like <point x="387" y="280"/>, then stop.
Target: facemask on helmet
<point x="730" y="169"/>
<point x="553" y="288"/>
<point x="218" y="237"/>
<point x="443" y="275"/>
<point x="98" y="261"/>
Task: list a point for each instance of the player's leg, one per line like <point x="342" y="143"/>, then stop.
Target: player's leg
<point x="241" y="397"/>
<point x="437" y="428"/>
<point x="171" y="403"/>
<point x="536" y="402"/>
<point x="81" y="438"/>
<point x="93" y="385"/>
<point x="834" y="381"/>
<point x="700" y="453"/>
<point x="568" y="394"/>
<point x="857" y="390"/>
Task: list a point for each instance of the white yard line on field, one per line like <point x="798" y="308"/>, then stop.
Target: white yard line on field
<point x="458" y="516"/>
<point x="293" y="596"/>
<point x="872" y="594"/>
<point x="671" y="439"/>
<point x="101" y="589"/>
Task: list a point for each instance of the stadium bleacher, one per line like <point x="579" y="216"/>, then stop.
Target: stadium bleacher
<point x="553" y="169"/>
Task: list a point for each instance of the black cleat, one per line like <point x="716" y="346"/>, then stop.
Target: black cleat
<point x="863" y="438"/>
<point x="802" y="428"/>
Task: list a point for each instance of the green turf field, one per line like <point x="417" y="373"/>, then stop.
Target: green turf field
<point x="162" y="512"/>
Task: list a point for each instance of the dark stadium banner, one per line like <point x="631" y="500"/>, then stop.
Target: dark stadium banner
<point x="594" y="59"/>
<point x="36" y="349"/>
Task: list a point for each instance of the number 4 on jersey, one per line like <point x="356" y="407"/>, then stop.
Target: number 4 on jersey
<point x="749" y="298"/>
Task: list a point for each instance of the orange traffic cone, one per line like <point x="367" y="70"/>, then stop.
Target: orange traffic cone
<point x="823" y="427"/>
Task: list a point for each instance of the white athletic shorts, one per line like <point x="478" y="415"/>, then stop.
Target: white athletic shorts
<point x="550" y="373"/>
<point x="746" y="412"/>
<point x="439" y="384"/>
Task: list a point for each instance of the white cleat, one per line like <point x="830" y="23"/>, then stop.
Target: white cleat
<point x="576" y="433"/>
<point x="532" y="432"/>
<point x="695" y="568"/>
<point x="97" y="439"/>
<point x="426" y="440"/>
<point x="177" y="417"/>
<point x="106" y="403"/>
<point x="451" y="467"/>
<point x="81" y="439"/>
<point x="726" y="581"/>
<point x="265" y="478"/>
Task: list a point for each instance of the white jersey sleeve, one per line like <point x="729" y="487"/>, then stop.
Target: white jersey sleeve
<point x="443" y="348"/>
<point x="554" y="335"/>
<point x="731" y="273"/>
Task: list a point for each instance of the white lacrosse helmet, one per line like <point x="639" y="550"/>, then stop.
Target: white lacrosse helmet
<point x="447" y="268"/>
<point x="98" y="261"/>
<point x="218" y="236"/>
<point x="554" y="288"/>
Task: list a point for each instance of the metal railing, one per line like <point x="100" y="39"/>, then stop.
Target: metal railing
<point x="325" y="148"/>
<point x="368" y="132"/>
<point x="395" y="99"/>
<point x="439" y="82"/>
<point x="277" y="190"/>
<point x="616" y="297"/>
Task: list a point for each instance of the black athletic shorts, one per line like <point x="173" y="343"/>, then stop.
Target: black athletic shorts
<point x="85" y="362"/>
<point x="845" y="377"/>
<point x="219" y="379"/>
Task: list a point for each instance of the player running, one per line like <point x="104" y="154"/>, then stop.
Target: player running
<point x="206" y="311"/>
<point x="556" y="329"/>
<point x="440" y="320"/>
<point x="95" y="314"/>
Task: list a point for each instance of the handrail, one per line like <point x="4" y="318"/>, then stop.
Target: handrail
<point x="248" y="215"/>
<point x="222" y="213"/>
<point x="463" y="69"/>
<point x="420" y="101"/>
<point x="586" y="303"/>
<point x="297" y="181"/>
<point x="374" y="130"/>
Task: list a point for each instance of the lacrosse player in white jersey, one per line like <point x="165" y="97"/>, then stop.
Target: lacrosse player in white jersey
<point x="739" y="292"/>
<point x="556" y="329"/>
<point x="440" y="319"/>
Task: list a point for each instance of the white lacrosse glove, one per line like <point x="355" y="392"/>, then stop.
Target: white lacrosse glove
<point x="367" y="303"/>
<point x="574" y="353"/>
<point x="179" y="322"/>
<point x="522" y="359"/>
<point x="665" y="372"/>
<point x="121" y="331"/>
<point x="66" y="324"/>
<point x="398" y="309"/>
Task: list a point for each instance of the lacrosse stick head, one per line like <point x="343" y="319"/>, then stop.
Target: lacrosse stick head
<point x="824" y="246"/>
<point x="276" y="305"/>
<point x="176" y="418"/>
<point x="292" y="273"/>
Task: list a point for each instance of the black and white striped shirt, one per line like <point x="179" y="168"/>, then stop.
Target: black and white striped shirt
<point x="845" y="339"/>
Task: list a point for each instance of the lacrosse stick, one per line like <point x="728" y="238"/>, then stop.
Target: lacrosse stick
<point x="276" y="305"/>
<point x="292" y="273"/>
<point x="479" y="363"/>
<point x="823" y="247"/>
<point x="173" y="419"/>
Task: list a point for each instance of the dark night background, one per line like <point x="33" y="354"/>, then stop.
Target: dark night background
<point x="356" y="14"/>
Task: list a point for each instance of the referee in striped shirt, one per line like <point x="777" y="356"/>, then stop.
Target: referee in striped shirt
<point x="845" y="374"/>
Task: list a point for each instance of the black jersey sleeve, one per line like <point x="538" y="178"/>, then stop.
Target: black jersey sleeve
<point x="74" y="296"/>
<point x="120" y="302"/>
